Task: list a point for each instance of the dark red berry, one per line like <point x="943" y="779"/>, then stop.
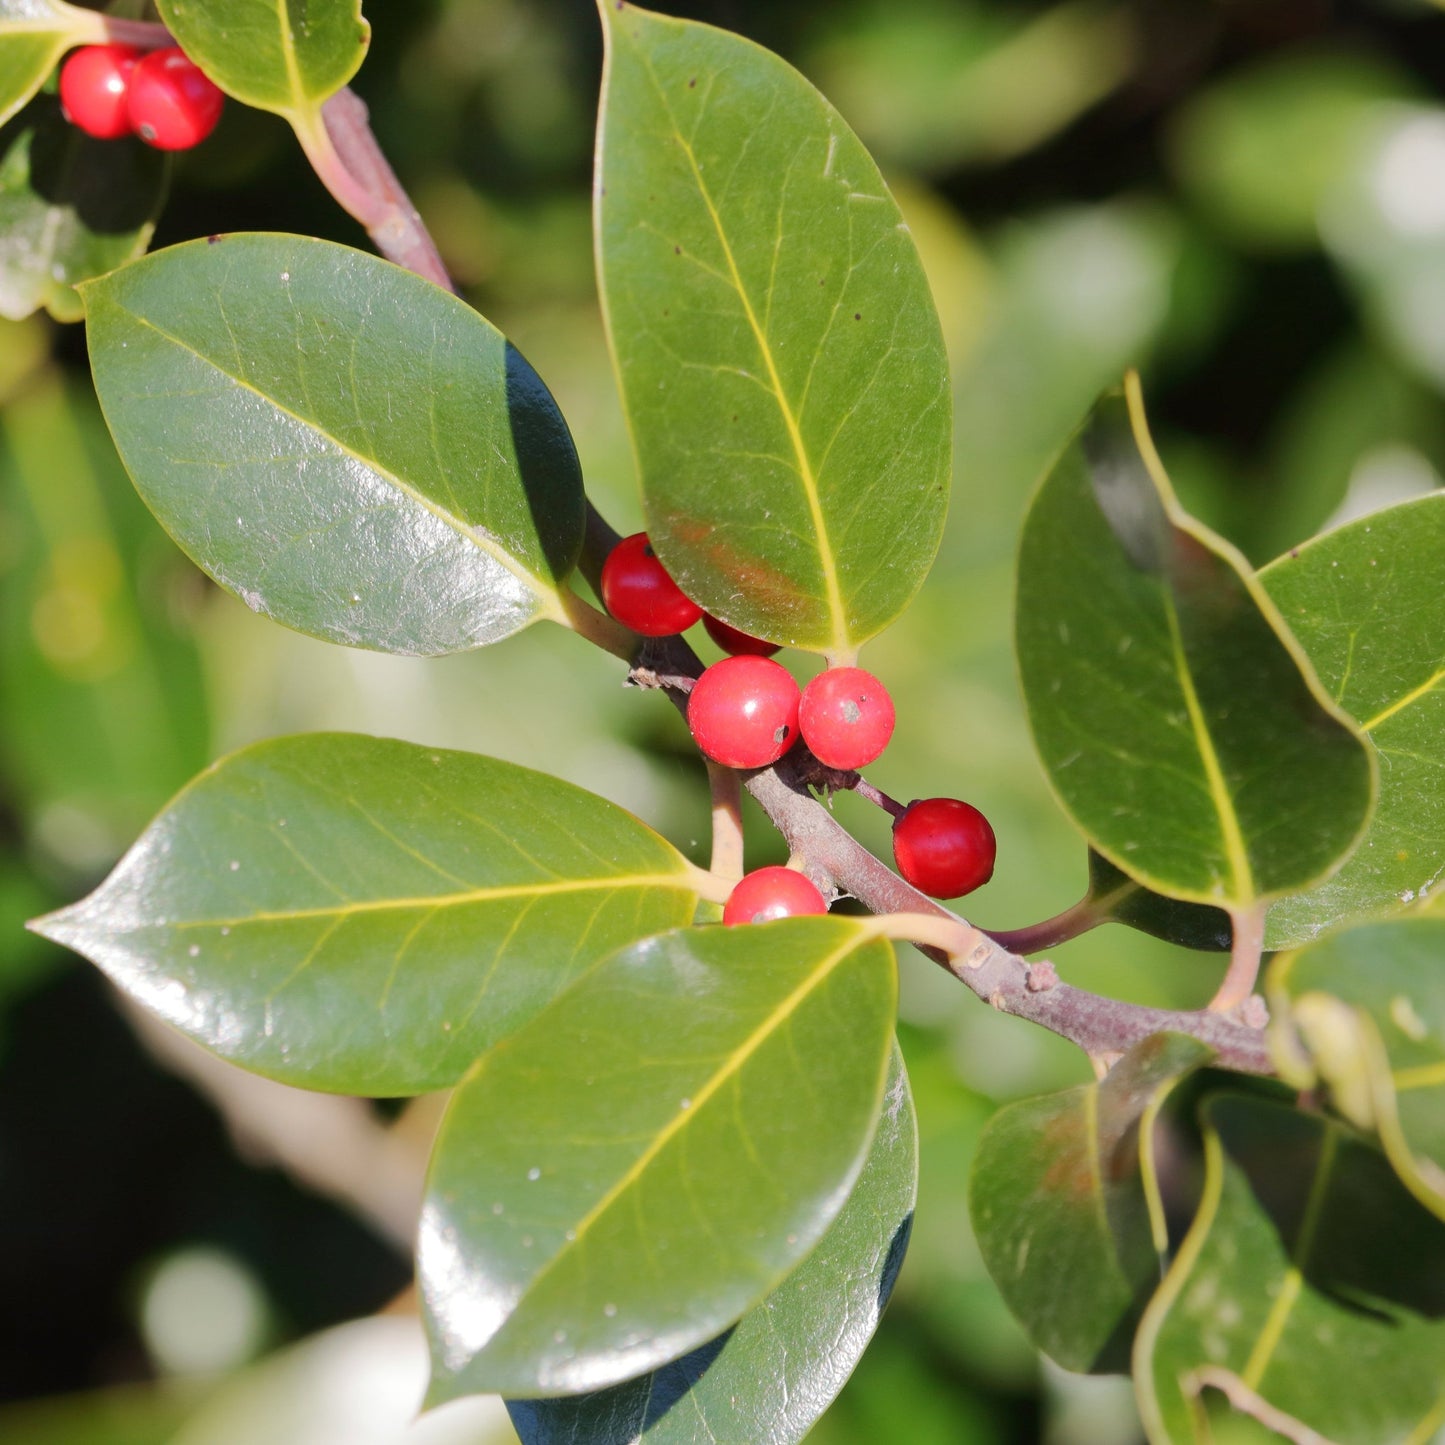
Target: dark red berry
<point x="944" y="847"/>
<point x="740" y="644"/>
<point x="743" y="711"/>
<point x="637" y="591"/>
<point x="94" y="83"/>
<point x="171" y="105"/>
<point x="771" y="893"/>
<point x="846" y="717"/>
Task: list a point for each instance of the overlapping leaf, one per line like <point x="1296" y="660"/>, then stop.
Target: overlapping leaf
<point x="1367" y="605"/>
<point x="653" y="1155"/>
<point x="780" y="359"/>
<point x="1179" y="725"/>
<point x="769" y="1378"/>
<point x="1369" y="1005"/>
<point x="70" y="208"/>
<point x="1310" y="1290"/>
<point x="367" y="916"/>
<point x="1065" y="1207"/>
<point x="1114" y="897"/>
<point x="343" y="445"/>
<point x="278" y="55"/>
<point x="34" y="34"/>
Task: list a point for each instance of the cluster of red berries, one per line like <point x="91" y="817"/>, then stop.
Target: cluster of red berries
<point x="109" y="91"/>
<point x="747" y="711"/>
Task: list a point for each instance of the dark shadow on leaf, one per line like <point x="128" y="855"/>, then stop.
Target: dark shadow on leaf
<point x="619" y="1415"/>
<point x="893" y="1262"/>
<point x="114" y="187"/>
<point x="547" y="461"/>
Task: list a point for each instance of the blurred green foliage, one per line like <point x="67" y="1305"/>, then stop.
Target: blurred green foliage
<point x="1246" y="201"/>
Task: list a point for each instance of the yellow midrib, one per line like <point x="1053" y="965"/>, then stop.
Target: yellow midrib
<point x="288" y="50"/>
<point x="1413" y="696"/>
<point x="1231" y="835"/>
<point x="1293" y="1281"/>
<point x="733" y="1064"/>
<point x="842" y="645"/>
<point x="443" y="900"/>
<point x="544" y="593"/>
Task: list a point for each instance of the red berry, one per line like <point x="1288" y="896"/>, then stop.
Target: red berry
<point x="740" y="644"/>
<point x="637" y="591"/>
<point x="770" y="893"/>
<point x="172" y="106"/>
<point x="846" y="717"/>
<point x="743" y="711"/>
<point x="94" y="82"/>
<point x="944" y="847"/>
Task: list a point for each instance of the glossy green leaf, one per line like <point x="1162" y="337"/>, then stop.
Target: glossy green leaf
<point x="1179" y="725"/>
<point x="653" y="1155"/>
<point x="779" y="355"/>
<point x="1116" y="898"/>
<point x="34" y="34"/>
<point x="769" y="1378"/>
<point x="349" y="449"/>
<point x="1365" y="602"/>
<point x="1061" y="1208"/>
<point x="363" y="915"/>
<point x="71" y="208"/>
<point x="1310" y="1288"/>
<point x="1384" y="1055"/>
<point x="277" y="55"/>
<point x="103" y="710"/>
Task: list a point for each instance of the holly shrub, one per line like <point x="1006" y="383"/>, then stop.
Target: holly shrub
<point x="676" y="1173"/>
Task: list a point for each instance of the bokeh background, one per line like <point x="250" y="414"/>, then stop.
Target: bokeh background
<point x="1246" y="199"/>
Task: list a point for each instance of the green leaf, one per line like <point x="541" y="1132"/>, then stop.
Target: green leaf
<point x="71" y="208"/>
<point x="779" y="355"/>
<point x="349" y="449"/>
<point x="769" y="1378"/>
<point x="1310" y="1288"/>
<point x="34" y="34"/>
<point x="366" y="916"/>
<point x="286" y="56"/>
<point x="1116" y="898"/>
<point x="1369" y="1005"/>
<point x="1366" y="604"/>
<point x="653" y="1155"/>
<point x="1179" y="724"/>
<point x="1061" y="1205"/>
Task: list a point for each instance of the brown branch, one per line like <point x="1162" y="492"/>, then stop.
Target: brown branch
<point x="830" y="854"/>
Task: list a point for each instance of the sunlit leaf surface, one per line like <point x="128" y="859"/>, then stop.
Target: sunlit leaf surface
<point x="781" y="362"/>
<point x="367" y="916"/>
<point x="346" y="447"/>
<point x="1179" y="726"/>
<point x="768" y="1378"/>
<point x="653" y="1155"/>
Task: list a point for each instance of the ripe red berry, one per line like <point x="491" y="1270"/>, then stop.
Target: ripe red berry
<point x="171" y="105"/>
<point x="770" y="893"/>
<point x="637" y="591"/>
<point x="846" y="717"/>
<point x="94" y="83"/>
<point x="944" y="847"/>
<point x="740" y="644"/>
<point x="743" y="711"/>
